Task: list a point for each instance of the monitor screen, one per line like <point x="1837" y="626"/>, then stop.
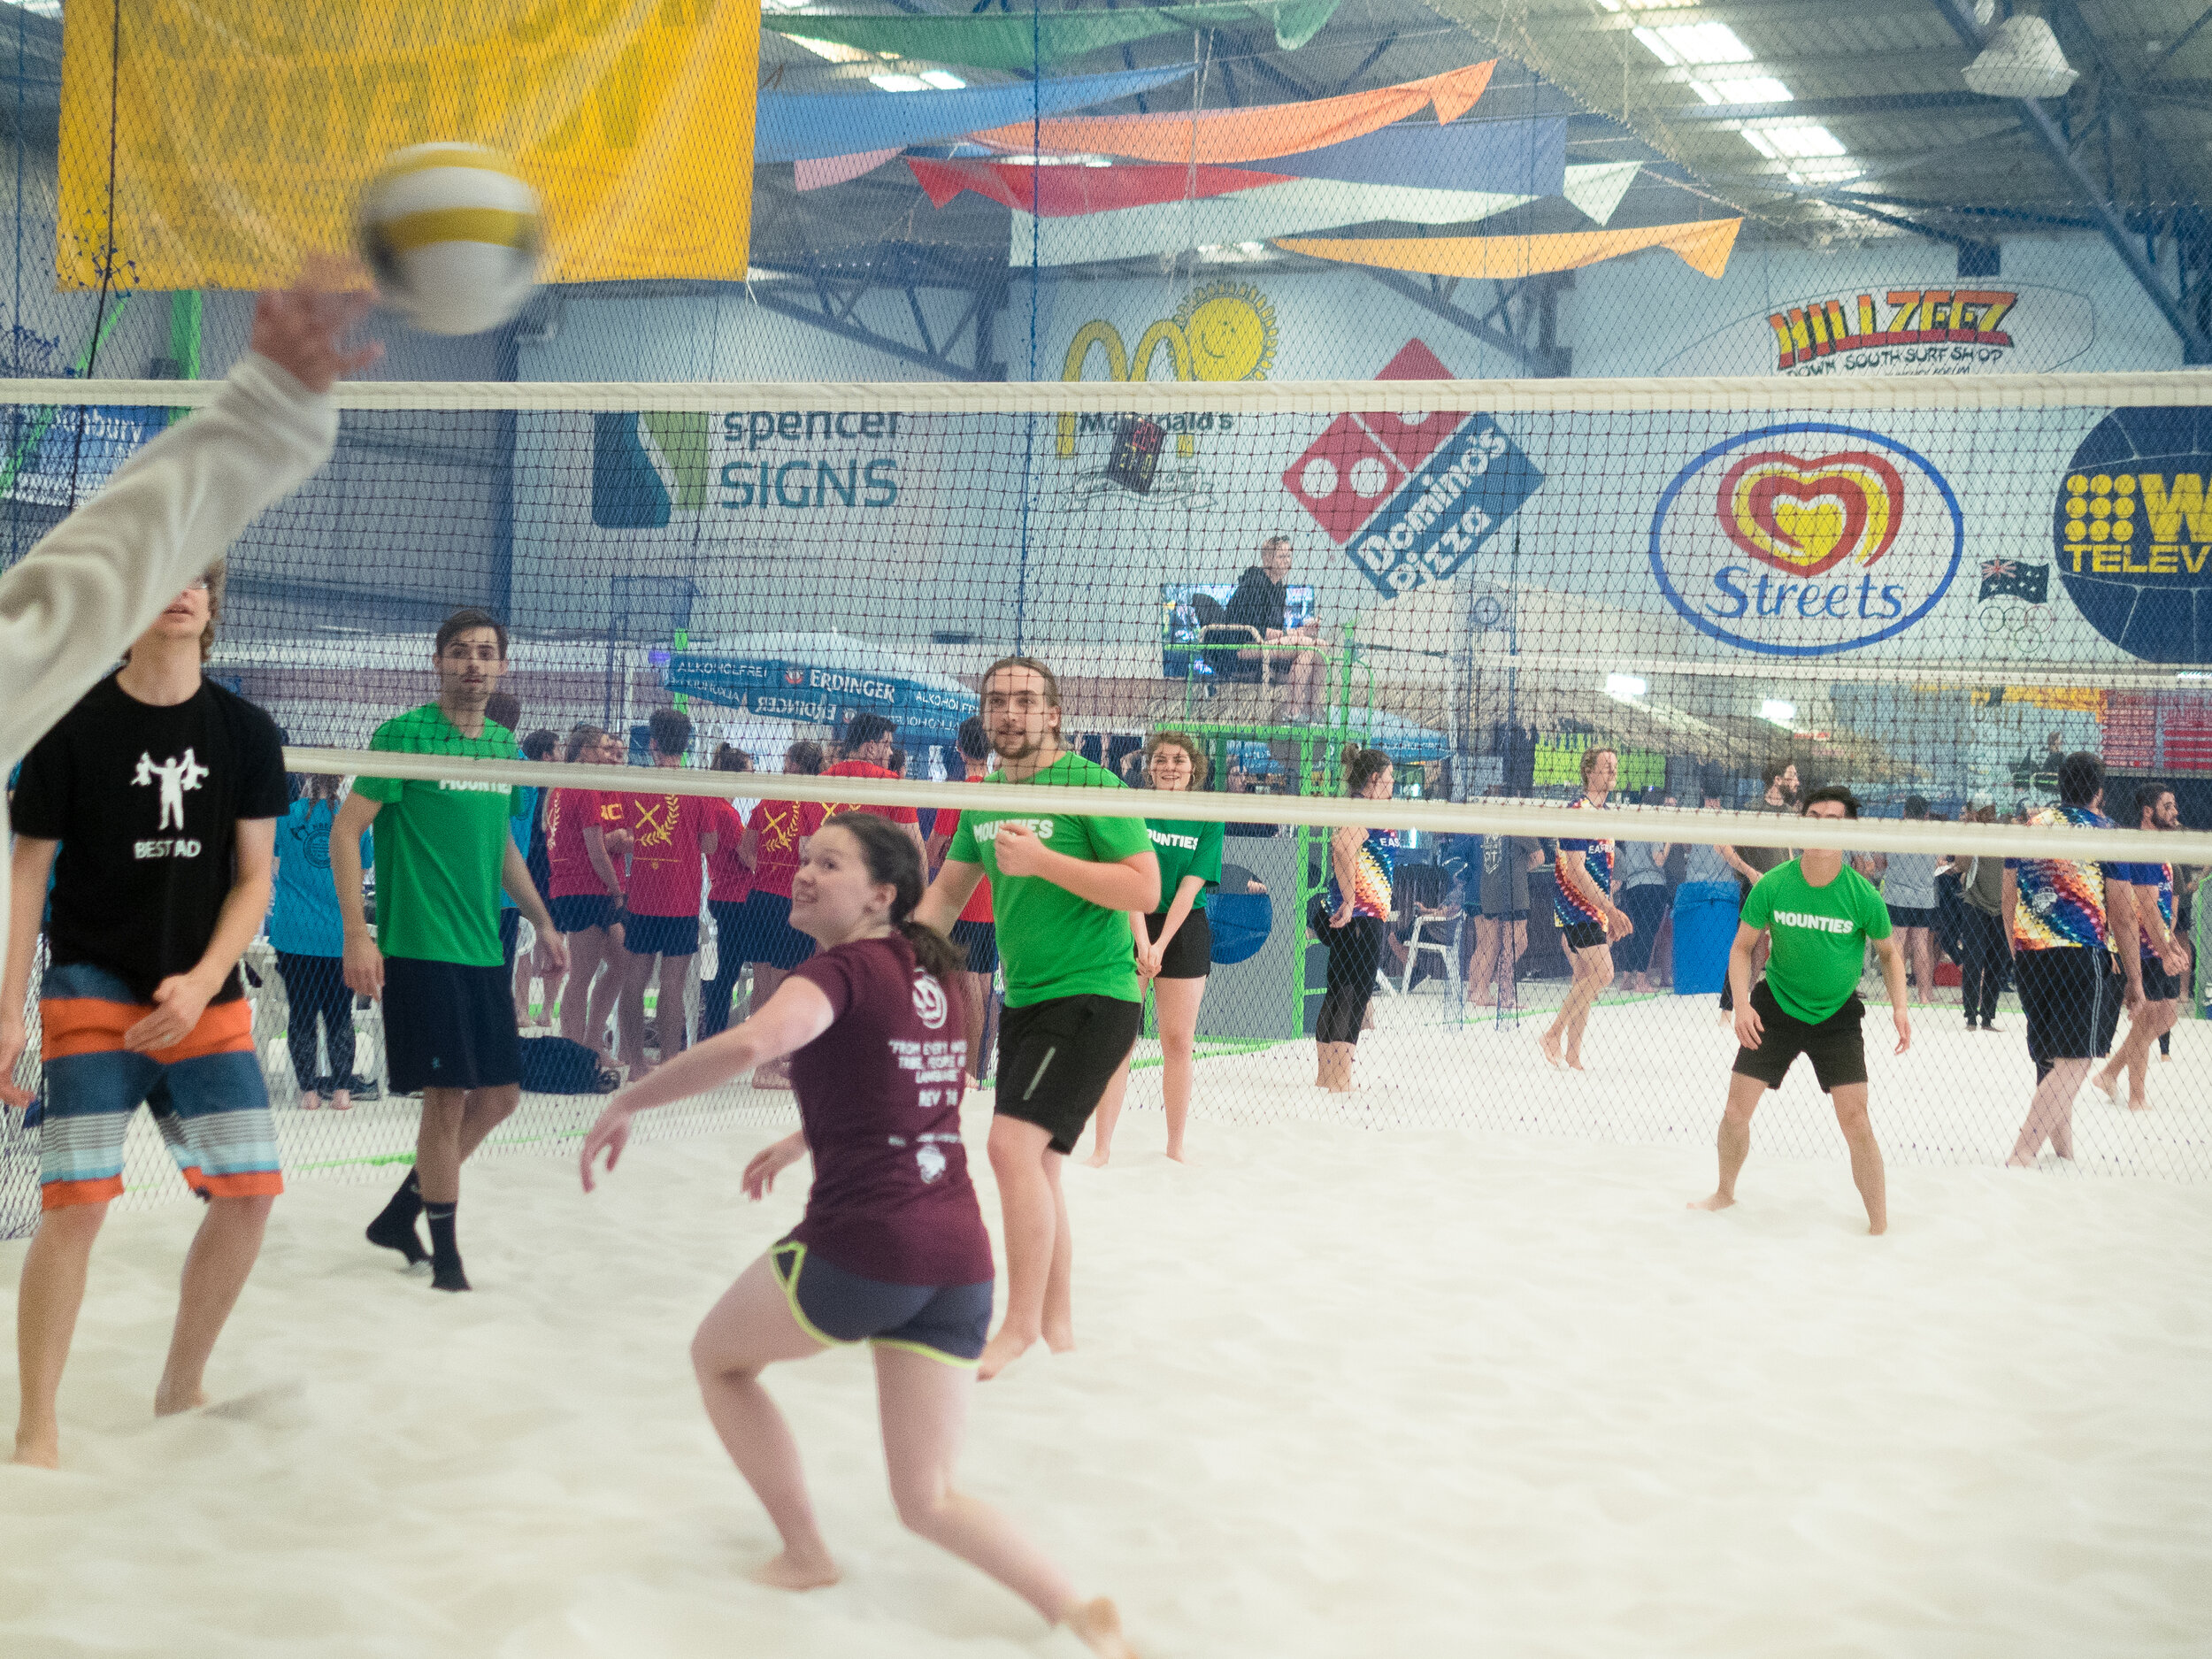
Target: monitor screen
<point x="1179" y="622"/>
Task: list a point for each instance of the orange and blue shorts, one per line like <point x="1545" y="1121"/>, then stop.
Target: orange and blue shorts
<point x="205" y="1092"/>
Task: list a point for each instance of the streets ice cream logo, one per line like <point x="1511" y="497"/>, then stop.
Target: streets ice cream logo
<point x="929" y="1001"/>
<point x="1805" y="539"/>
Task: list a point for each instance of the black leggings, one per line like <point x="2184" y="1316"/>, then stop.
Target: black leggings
<point x="1982" y="971"/>
<point x="729" y="963"/>
<point x="316" y="988"/>
<point x="1353" y="951"/>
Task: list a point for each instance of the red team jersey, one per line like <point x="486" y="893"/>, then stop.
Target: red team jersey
<point x="664" y="858"/>
<point x="569" y="813"/>
<point x="728" y="880"/>
<point x="776" y="855"/>
<point x="813" y="813"/>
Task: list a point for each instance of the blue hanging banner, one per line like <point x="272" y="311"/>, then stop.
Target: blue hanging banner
<point x="779" y="689"/>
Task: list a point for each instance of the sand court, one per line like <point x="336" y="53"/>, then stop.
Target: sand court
<point x="1337" y="1392"/>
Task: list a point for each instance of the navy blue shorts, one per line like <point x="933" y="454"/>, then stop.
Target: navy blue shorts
<point x="1910" y="916"/>
<point x="448" y="1025"/>
<point x="2070" y="997"/>
<point x="660" y="936"/>
<point x="579" y="912"/>
<point x="1583" y="936"/>
<point x="979" y="940"/>
<point x="945" y="1322"/>
<point x="766" y="936"/>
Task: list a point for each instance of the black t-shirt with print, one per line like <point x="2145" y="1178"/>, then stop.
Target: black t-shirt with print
<point x="145" y="803"/>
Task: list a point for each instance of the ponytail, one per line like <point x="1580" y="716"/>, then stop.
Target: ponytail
<point x="893" y="860"/>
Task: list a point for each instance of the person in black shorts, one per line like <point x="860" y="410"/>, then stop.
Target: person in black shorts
<point x="1060" y="884"/>
<point x="974" y="932"/>
<point x="2164" y="958"/>
<point x="1821" y="914"/>
<point x="2063" y="915"/>
<point x="1174" y="945"/>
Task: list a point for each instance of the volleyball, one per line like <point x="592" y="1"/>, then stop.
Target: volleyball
<point x="451" y="232"/>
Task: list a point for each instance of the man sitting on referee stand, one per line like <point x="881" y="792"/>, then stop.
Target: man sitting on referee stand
<point x="1821" y="914"/>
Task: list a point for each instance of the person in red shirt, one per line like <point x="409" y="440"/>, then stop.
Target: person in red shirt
<point x="870" y="739"/>
<point x="729" y="884"/>
<point x="670" y="836"/>
<point x="891" y="1250"/>
<point x="588" y="890"/>
<point x="766" y="938"/>
<point x="974" y="932"/>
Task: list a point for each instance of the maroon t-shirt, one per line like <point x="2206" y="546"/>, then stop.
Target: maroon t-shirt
<point x="879" y="1105"/>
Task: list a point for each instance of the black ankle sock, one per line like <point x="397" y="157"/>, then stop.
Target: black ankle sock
<point x="393" y="1229"/>
<point x="445" y="1255"/>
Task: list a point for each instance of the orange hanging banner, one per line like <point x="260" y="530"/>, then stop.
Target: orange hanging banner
<point x="1703" y="245"/>
<point x="1224" y="137"/>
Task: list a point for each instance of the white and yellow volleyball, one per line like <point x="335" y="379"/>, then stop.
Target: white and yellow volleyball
<point x="451" y="232"/>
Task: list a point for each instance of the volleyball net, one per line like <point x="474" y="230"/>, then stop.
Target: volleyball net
<point x="1927" y="590"/>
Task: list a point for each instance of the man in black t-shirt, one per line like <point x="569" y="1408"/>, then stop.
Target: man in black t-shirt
<point x="1260" y="606"/>
<point x="160" y="791"/>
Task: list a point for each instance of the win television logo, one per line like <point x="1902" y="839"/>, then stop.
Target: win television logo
<point x="1411" y="497"/>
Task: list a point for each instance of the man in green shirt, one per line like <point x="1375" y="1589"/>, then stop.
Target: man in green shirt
<point x="442" y="857"/>
<point x="1061" y="887"/>
<point x="1820" y="915"/>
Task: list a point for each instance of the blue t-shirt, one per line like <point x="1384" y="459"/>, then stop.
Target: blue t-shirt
<point x="2160" y="877"/>
<point x="525" y="801"/>
<point x="303" y="920"/>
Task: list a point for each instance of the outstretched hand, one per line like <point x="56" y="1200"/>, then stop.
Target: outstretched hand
<point x="770" y="1162"/>
<point x="611" y="1134"/>
<point x="301" y="329"/>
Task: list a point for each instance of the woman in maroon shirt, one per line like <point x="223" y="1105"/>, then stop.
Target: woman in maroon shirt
<point x="891" y="1249"/>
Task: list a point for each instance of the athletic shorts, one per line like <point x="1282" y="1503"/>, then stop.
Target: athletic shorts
<point x="1505" y="915"/>
<point x="206" y="1094"/>
<point x="1582" y="935"/>
<point x="580" y="912"/>
<point x="448" y="1025"/>
<point x="945" y="1322"/>
<point x="1910" y="916"/>
<point x="2070" y="997"/>
<point x="1190" y="954"/>
<point x="660" y="936"/>
<point x="2158" y="984"/>
<point x="979" y="940"/>
<point x="1056" y="1058"/>
<point x="1836" y="1046"/>
<point x="765" y="935"/>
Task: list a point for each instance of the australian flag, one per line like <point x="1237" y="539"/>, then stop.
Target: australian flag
<point x="2009" y="578"/>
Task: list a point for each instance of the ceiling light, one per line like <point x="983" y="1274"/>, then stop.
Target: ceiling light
<point x="1758" y="141"/>
<point x="1756" y="89"/>
<point x="836" y="51"/>
<point x="1700" y="43"/>
<point x="943" y="80"/>
<point x="1658" y="48"/>
<point x="1804" y="141"/>
<point x="1625" y="687"/>
<point x="1779" y="712"/>
<point x="899" y="83"/>
<point x="2021" y="60"/>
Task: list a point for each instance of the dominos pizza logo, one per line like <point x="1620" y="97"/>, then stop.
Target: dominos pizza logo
<point x="1410" y="496"/>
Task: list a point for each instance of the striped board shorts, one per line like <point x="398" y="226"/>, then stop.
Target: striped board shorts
<point x="207" y="1094"/>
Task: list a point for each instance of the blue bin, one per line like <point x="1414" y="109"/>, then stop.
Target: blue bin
<point x="1704" y="928"/>
<point x="1240" y="923"/>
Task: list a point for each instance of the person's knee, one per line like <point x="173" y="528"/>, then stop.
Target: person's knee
<point x="247" y="1210"/>
<point x="924" y="1501"/>
<point x="712" y="1360"/>
<point x="497" y="1104"/>
<point x="75" y="1225"/>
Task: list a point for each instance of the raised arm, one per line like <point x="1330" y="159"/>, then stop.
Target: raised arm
<point x="949" y="894"/>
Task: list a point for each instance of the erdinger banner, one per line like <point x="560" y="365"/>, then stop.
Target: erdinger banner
<point x="1829" y="538"/>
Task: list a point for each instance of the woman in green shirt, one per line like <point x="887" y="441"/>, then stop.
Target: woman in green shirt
<point x="1174" y="944"/>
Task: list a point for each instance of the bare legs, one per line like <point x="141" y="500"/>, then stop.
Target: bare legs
<point x="2051" y="1114"/>
<point x="453" y="1125"/>
<point x="924" y="1407"/>
<point x="1039" y="1247"/>
<point x="54" y="1268"/>
<point x="669" y="1014"/>
<point x="2150" y="1021"/>
<point x="1108" y="1115"/>
<point x="1918" y="945"/>
<point x="1175" y="1008"/>
<point x="1743" y="1094"/>
<point x="1594" y="972"/>
<point x="587" y="948"/>
<point x="1482" y="972"/>
<point x="1335" y="1060"/>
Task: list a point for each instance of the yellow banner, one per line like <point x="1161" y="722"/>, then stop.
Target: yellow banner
<point x="243" y="131"/>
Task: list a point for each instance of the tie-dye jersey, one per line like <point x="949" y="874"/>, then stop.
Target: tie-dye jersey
<point x="1371" y="868"/>
<point x="1568" y="908"/>
<point x="2061" y="900"/>
<point x="2160" y="877"/>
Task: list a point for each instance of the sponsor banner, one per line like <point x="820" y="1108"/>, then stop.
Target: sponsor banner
<point x="1806" y="539"/>
<point x="803" y="691"/>
<point x="2132" y="533"/>
<point x="1996" y="327"/>
<point x="69" y="453"/>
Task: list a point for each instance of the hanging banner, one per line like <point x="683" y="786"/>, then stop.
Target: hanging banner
<point x="1014" y="42"/>
<point x="1703" y="245"/>
<point x="815" y="125"/>
<point x="242" y="133"/>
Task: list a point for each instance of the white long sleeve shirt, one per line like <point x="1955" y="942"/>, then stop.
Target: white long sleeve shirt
<point x="99" y="578"/>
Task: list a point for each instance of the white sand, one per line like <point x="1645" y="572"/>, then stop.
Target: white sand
<point x="1433" y="1391"/>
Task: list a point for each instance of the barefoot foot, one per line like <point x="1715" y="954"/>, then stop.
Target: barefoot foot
<point x="1098" y="1623"/>
<point x="2107" y="1085"/>
<point x="41" y="1449"/>
<point x="1549" y="1043"/>
<point x="1178" y="1154"/>
<point x="1097" y="1160"/>
<point x="342" y="1100"/>
<point x="168" y="1401"/>
<point x="1718" y="1201"/>
<point x="1002" y="1351"/>
<point x="1060" y="1338"/>
<point x="310" y="1101"/>
<point x="787" y="1572"/>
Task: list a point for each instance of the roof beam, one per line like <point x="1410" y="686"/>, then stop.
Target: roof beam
<point x="1778" y="14"/>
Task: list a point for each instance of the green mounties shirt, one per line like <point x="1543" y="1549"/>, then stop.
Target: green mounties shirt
<point x="1819" y="934"/>
<point x="1184" y="848"/>
<point x="440" y="844"/>
<point x="1055" y="943"/>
